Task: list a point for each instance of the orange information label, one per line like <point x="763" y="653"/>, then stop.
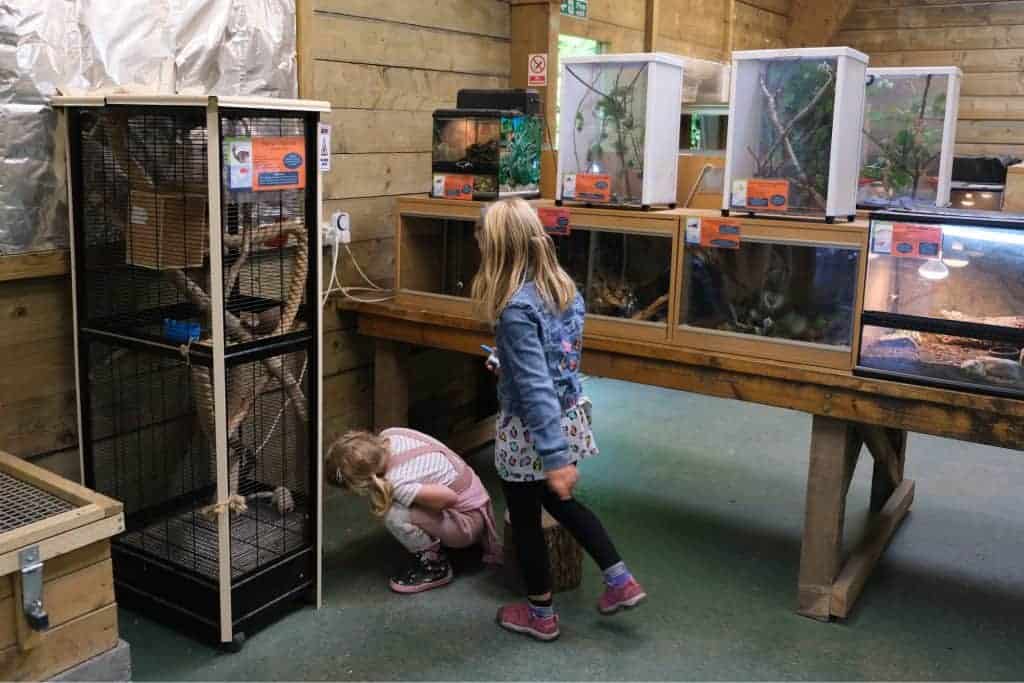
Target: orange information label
<point x="916" y="241"/>
<point x="554" y="219"/>
<point x="719" y="232"/>
<point x="278" y="163"/>
<point x="594" y="187"/>
<point x="458" y="187"/>
<point x="766" y="194"/>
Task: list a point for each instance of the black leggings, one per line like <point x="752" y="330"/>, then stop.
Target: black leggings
<point x="524" y="500"/>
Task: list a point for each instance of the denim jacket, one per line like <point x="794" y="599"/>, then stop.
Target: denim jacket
<point x="539" y="352"/>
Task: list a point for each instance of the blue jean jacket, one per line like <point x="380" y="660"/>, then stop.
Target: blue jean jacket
<point x="540" y="351"/>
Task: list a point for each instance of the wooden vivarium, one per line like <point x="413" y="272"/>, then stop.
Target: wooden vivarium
<point x="57" y="606"/>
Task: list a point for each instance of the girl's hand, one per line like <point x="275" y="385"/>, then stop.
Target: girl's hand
<point x="562" y="481"/>
<point x="493" y="365"/>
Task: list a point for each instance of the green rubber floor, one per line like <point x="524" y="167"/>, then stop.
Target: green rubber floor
<point x="704" y="498"/>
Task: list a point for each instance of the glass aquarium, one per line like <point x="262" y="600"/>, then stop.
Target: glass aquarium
<point x="909" y="131"/>
<point x="704" y="128"/>
<point x="620" y="274"/>
<point x="799" y="293"/>
<point x="486" y="154"/>
<point x="607" y="106"/>
<point x="438" y="255"/>
<point x="944" y="300"/>
<point x="794" y="132"/>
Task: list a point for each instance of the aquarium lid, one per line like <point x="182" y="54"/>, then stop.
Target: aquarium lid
<point x="801" y="53"/>
<point x="911" y="71"/>
<point x="478" y="113"/>
<point x="964" y="217"/>
<point x="526" y="100"/>
<point x="628" y="58"/>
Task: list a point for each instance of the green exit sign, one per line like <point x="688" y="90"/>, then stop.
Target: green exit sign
<point x="575" y="8"/>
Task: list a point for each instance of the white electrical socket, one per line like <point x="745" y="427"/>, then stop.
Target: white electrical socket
<point x="338" y="230"/>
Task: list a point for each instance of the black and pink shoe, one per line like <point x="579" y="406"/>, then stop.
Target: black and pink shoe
<point x="430" y="570"/>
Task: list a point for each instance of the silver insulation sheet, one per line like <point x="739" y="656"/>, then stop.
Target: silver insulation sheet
<point x="74" y="47"/>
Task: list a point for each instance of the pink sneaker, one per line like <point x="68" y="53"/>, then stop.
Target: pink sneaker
<point x="625" y="597"/>
<point x="518" y="618"/>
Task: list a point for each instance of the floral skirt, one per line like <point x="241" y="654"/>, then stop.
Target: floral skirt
<point x="514" y="456"/>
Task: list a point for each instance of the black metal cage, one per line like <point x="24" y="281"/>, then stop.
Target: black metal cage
<point x="198" y="351"/>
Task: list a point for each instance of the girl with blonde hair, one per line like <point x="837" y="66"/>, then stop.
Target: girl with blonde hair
<point x="428" y="497"/>
<point x="543" y="426"/>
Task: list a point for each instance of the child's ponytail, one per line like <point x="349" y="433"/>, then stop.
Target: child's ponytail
<point x="381" y="494"/>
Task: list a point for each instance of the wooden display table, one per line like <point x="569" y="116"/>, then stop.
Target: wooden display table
<point x="847" y="411"/>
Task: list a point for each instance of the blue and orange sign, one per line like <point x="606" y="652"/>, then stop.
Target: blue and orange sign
<point x="278" y="163"/>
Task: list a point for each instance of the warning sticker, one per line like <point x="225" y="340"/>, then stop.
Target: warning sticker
<point x="537" y="70"/>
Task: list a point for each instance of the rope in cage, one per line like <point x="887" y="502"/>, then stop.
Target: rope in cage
<point x="239" y="405"/>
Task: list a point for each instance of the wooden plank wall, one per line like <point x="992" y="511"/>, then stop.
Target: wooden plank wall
<point x="760" y="24"/>
<point x="985" y="39"/>
<point x="385" y="66"/>
<point x="37" y="372"/>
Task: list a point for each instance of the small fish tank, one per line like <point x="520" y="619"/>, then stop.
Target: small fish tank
<point x="794" y="139"/>
<point x="944" y="300"/>
<point x="489" y="147"/>
<point x="770" y="289"/>
<point x="623" y="270"/>
<point x="607" y="107"/>
<point x="909" y="133"/>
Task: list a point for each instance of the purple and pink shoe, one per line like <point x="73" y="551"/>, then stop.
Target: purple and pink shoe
<point x="626" y="596"/>
<point x="520" y="619"/>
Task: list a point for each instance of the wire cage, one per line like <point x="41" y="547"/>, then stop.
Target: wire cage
<point x="196" y="281"/>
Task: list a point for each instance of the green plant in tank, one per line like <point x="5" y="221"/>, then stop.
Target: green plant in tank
<point x="796" y="132"/>
<point x="520" y="158"/>
<point x="619" y="131"/>
<point x="907" y="141"/>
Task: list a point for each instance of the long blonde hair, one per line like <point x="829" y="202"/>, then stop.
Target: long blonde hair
<point x="357" y="462"/>
<point x="513" y="249"/>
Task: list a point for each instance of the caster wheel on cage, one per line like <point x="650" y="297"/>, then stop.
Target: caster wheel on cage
<point x="235" y="645"/>
<point x="672" y="206"/>
<point x="725" y="213"/>
<point x="830" y="219"/>
<point x="558" y="202"/>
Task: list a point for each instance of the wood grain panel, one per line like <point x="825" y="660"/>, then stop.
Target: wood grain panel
<point x="947" y="15"/>
<point x="480" y="17"/>
<point x="956" y="38"/>
<point x="1009" y="60"/>
<point x="371" y="217"/>
<point x="365" y="86"/>
<point x="360" y="131"/>
<point x="368" y="41"/>
<point x="372" y="175"/>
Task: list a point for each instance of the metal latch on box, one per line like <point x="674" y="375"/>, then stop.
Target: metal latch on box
<point x="32" y="589"/>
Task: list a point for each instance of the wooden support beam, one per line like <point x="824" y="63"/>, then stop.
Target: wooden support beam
<point x="34" y="264"/>
<point x="651" y="25"/>
<point x="835" y="446"/>
<point x="474" y="437"/>
<point x="862" y="561"/>
<point x="304" y="30"/>
<point x="535" y="26"/>
<point x="390" y="385"/>
<point x="888" y="447"/>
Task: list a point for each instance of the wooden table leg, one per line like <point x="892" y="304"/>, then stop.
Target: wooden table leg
<point x="829" y="587"/>
<point x="835" y="446"/>
<point x="390" y="384"/>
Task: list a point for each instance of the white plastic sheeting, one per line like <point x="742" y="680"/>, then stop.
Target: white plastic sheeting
<point x="221" y="47"/>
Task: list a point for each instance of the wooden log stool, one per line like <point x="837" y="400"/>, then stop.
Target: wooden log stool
<point x="564" y="553"/>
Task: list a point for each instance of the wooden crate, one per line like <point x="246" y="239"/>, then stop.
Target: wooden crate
<point x="166" y="230"/>
<point x="70" y="526"/>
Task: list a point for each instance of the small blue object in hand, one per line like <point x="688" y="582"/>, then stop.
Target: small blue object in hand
<point x="181" y="331"/>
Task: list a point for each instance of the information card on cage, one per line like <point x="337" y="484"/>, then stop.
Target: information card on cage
<point x="916" y="241"/>
<point x="279" y="163"/>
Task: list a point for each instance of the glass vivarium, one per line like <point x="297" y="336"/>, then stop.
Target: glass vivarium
<point x="620" y="275"/>
<point x="500" y="151"/>
<point x="903" y="134"/>
<point x="608" y="102"/>
<point x="944" y="302"/>
<point x="794" y="106"/>
<point x="781" y="291"/>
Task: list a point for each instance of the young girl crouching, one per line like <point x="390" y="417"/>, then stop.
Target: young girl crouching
<point x="429" y="498"/>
